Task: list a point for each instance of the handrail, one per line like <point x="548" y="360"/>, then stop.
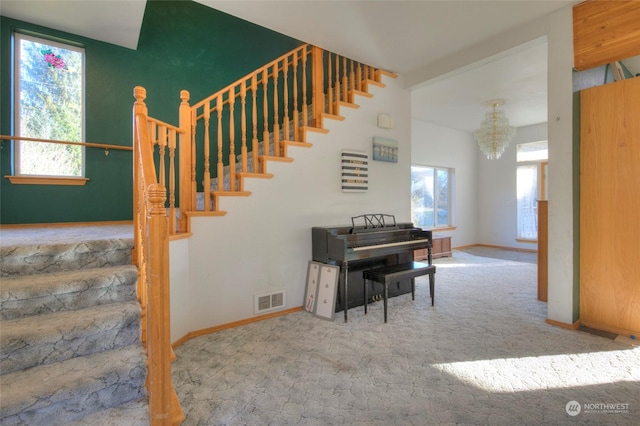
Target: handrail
<point x="245" y="78"/>
<point x="104" y="146"/>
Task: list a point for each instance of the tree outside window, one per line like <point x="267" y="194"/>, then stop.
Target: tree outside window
<point x="49" y="104"/>
<point x="430" y="196"/>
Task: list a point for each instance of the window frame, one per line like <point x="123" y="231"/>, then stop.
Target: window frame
<point x="450" y="197"/>
<point x="541" y="182"/>
<point x="44" y="179"/>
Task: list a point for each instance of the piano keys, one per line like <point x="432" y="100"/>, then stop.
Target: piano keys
<point x="371" y="241"/>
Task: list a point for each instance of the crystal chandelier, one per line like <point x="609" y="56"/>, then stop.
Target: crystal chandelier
<point x="494" y="133"/>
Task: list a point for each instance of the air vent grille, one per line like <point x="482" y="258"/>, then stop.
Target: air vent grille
<point x="269" y="301"/>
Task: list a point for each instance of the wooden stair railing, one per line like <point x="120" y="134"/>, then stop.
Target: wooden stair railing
<point x="232" y="134"/>
<point x="151" y="256"/>
<point x="255" y="119"/>
<point x="248" y="123"/>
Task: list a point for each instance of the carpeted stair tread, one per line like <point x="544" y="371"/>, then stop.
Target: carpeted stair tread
<point x="26" y="295"/>
<point x="45" y="258"/>
<point x="134" y="413"/>
<point x="58" y="393"/>
<point x="44" y="339"/>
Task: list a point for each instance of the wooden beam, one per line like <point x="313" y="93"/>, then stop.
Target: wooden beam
<point x="605" y="31"/>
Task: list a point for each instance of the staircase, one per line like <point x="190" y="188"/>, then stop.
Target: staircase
<point x="70" y="335"/>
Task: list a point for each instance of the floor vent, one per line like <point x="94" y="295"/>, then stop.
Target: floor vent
<point x="270" y="301"/>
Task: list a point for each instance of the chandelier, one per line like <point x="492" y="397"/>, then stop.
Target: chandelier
<point x="494" y="133"/>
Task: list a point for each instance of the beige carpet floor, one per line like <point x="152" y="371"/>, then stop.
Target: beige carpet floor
<point x="483" y="355"/>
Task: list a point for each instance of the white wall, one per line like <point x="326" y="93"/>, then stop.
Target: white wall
<point x="264" y="241"/>
<point x="437" y="146"/>
<point x="496" y="186"/>
<point x="560" y="98"/>
<point x="496" y="223"/>
<point x="264" y="244"/>
<point x="180" y="296"/>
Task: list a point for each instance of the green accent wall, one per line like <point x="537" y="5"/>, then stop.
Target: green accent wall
<point x="576" y="206"/>
<point x="183" y="45"/>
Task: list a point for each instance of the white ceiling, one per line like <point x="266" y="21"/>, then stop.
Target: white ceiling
<point x="114" y="21"/>
<point x="412" y="38"/>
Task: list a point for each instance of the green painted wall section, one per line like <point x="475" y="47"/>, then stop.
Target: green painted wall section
<point x="182" y="45"/>
<point x="576" y="206"/>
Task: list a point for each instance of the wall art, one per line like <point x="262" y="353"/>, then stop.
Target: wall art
<point x="355" y="171"/>
<point x="385" y="149"/>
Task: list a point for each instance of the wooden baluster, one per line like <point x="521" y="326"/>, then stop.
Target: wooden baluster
<point x="285" y="95"/>
<point x="187" y="193"/>
<point x="254" y="118"/>
<point x="296" y="118"/>
<point x="232" y="138"/>
<point x="352" y="79"/>
<point x="329" y="85"/>
<point x="151" y="128"/>
<point x="359" y="80"/>
<point x="172" y="182"/>
<point x="265" y="111"/>
<point x="345" y="81"/>
<point x="194" y="182"/>
<point x="162" y="144"/>
<point x="220" y="165"/>
<point x="337" y="85"/>
<point x="276" y="123"/>
<point x="243" y="100"/>
<point x="305" y="110"/>
<point x="317" y="85"/>
<point x="207" y="161"/>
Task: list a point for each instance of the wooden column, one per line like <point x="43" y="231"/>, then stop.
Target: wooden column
<point x="543" y="249"/>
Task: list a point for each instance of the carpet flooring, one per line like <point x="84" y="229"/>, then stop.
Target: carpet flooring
<point x="483" y="355"/>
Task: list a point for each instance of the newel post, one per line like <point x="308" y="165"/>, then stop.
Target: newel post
<point x="187" y="177"/>
<point x="317" y="84"/>
<point x="139" y="107"/>
<point x="158" y="320"/>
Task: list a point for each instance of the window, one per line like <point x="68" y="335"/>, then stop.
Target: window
<point x="49" y="104"/>
<point x="531" y="158"/>
<point x="431" y="195"/>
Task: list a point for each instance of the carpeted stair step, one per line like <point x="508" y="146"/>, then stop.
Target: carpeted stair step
<point x="58" y="393"/>
<point x="45" y="339"/>
<point x="134" y="413"/>
<point x="25" y="295"/>
<point x="46" y="258"/>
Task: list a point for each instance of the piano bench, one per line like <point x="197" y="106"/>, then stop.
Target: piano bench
<point x="394" y="273"/>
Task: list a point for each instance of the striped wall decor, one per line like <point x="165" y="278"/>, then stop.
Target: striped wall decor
<point x="355" y="171"/>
